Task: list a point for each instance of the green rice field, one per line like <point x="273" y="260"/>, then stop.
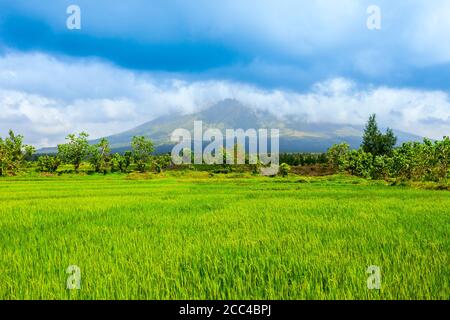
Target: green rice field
<point x="202" y="237"/>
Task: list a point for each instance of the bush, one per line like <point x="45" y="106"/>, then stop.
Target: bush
<point x="380" y="168"/>
<point x="284" y="170"/>
<point x="121" y="162"/>
<point x="359" y="163"/>
<point x="161" y="162"/>
<point x="48" y="164"/>
<point x="337" y="156"/>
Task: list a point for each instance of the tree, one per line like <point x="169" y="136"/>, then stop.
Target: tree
<point x="75" y="151"/>
<point x="13" y="154"/>
<point x="336" y="156"/>
<point x="387" y="143"/>
<point x="401" y="164"/>
<point x="122" y="162"/>
<point x="4" y="158"/>
<point x="375" y="142"/>
<point x="413" y="161"/>
<point x="161" y="162"/>
<point x="371" y="135"/>
<point x="100" y="155"/>
<point x="442" y="155"/>
<point x="142" y="149"/>
<point x="48" y="164"/>
<point x="380" y="167"/>
<point x="360" y="163"/>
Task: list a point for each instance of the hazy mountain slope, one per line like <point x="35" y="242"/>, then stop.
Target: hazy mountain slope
<point x="296" y="135"/>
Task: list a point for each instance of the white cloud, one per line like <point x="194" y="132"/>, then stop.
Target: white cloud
<point x="45" y="99"/>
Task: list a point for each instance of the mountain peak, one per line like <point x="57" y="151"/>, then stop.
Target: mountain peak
<point x="295" y="135"/>
<point x="229" y="113"/>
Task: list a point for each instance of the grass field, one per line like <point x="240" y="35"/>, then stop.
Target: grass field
<point x="219" y="238"/>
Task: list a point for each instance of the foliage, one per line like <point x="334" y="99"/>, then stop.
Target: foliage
<point x="380" y="168"/>
<point x="284" y="170"/>
<point x="161" y="162"/>
<point x="428" y="161"/>
<point x="99" y="156"/>
<point x="48" y="163"/>
<point x="75" y="151"/>
<point x="142" y="149"/>
<point x="415" y="161"/>
<point x="13" y="154"/>
<point x="336" y="155"/>
<point x="442" y="156"/>
<point x="302" y="159"/>
<point x="122" y="162"/>
<point x="359" y="163"/>
<point x="376" y="143"/>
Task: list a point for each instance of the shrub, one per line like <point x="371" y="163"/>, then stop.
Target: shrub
<point x="48" y="164"/>
<point x="337" y="156"/>
<point x="284" y="170"/>
<point x="360" y="163"/>
<point x="161" y="162"/>
<point x="121" y="162"/>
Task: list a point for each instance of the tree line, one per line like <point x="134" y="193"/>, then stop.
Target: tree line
<point x="378" y="158"/>
<point x="14" y="155"/>
<point x="303" y="159"/>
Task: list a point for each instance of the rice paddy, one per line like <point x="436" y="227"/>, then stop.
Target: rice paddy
<point x="201" y="237"/>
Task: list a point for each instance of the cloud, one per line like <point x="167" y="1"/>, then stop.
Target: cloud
<point x="283" y="44"/>
<point x="46" y="98"/>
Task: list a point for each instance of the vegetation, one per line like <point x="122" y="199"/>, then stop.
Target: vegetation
<point x="13" y="154"/>
<point x="48" y="164"/>
<point x="142" y="150"/>
<point x="121" y="162"/>
<point x="162" y="162"/>
<point x="377" y="159"/>
<point x="191" y="236"/>
<point x="284" y="170"/>
<point x="376" y="143"/>
<point x="75" y="151"/>
<point x="99" y="156"/>
<point x="337" y="154"/>
<point x="302" y="159"/>
<point x="188" y="234"/>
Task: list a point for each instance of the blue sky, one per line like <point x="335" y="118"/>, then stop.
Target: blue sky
<point x="135" y="60"/>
